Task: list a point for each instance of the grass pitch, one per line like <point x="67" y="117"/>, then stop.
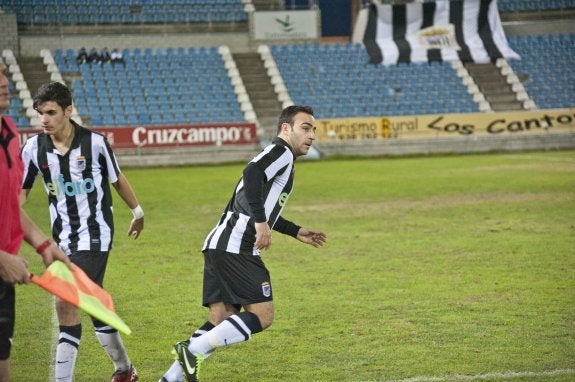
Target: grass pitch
<point x="436" y="268"/>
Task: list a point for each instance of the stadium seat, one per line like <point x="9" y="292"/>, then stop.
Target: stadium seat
<point x="338" y="78"/>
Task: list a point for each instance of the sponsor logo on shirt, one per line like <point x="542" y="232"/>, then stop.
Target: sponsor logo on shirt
<point x="58" y="187"/>
<point x="283" y="199"/>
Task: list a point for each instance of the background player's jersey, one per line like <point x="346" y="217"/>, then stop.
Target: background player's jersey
<point x="79" y="196"/>
<point x="235" y="231"/>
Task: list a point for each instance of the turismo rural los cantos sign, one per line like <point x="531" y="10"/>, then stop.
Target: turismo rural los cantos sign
<point x="445" y="125"/>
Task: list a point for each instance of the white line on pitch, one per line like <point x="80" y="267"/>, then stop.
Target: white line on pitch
<point x="53" y="341"/>
<point x="476" y="377"/>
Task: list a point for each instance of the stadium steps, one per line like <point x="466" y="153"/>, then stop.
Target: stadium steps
<point x="494" y="86"/>
<point x="268" y="5"/>
<point x="34" y="72"/>
<point x="260" y="90"/>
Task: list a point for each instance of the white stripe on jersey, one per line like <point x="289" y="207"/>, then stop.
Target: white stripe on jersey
<point x="215" y="234"/>
<point x="237" y="234"/>
<point x="74" y="190"/>
<point x="231" y="232"/>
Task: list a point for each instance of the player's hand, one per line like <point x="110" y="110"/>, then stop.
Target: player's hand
<point x="263" y="236"/>
<point x="311" y="237"/>
<point x="136" y="227"/>
<point x="13" y="269"/>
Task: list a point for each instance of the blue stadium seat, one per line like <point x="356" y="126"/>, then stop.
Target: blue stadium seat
<point x="546" y="68"/>
<point x="339" y="79"/>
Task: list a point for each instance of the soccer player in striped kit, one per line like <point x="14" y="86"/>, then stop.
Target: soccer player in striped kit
<point x="76" y="166"/>
<point x="15" y="226"/>
<point x="235" y="276"/>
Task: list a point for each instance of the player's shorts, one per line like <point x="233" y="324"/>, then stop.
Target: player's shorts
<point x="7" y="306"/>
<point x="92" y="263"/>
<point x="235" y="279"/>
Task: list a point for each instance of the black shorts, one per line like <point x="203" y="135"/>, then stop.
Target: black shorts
<point x="92" y="263"/>
<point x="235" y="279"/>
<point x="7" y="308"/>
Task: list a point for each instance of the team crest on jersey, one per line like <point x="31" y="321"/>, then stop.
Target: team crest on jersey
<point x="81" y="163"/>
<point x="266" y="289"/>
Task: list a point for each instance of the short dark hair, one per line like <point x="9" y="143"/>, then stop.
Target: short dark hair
<point x="53" y="91"/>
<point x="289" y="112"/>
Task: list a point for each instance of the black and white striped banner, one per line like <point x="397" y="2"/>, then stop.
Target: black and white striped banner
<point x="468" y="30"/>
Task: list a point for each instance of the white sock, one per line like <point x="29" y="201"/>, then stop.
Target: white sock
<point x="232" y="330"/>
<point x="67" y="352"/>
<point x="112" y="343"/>
<point x="174" y="373"/>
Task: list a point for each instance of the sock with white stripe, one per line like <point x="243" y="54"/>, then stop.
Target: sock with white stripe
<point x="236" y="328"/>
<point x="174" y="373"/>
<point x="112" y="343"/>
<point x="67" y="351"/>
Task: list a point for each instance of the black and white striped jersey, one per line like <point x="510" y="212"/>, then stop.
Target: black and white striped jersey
<point x="260" y="195"/>
<point x="77" y="184"/>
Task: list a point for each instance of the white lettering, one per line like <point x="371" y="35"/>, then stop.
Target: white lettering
<point x="142" y="136"/>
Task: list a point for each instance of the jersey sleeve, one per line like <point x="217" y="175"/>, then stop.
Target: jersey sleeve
<point x="111" y="164"/>
<point x="254" y="179"/>
<point x="29" y="154"/>
<point x="286" y="227"/>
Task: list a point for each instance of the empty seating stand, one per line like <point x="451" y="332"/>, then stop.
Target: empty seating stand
<point x="339" y="81"/>
<point x="71" y="12"/>
<point x="155" y="87"/>
<point x="546" y="68"/>
<point x="534" y="5"/>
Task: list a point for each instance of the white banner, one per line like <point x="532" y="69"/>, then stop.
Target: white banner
<point x="468" y="30"/>
<point x="285" y="25"/>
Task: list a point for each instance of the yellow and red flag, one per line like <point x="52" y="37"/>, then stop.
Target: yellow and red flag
<point x="74" y="287"/>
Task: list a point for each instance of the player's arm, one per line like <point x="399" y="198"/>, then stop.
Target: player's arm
<point x="305" y="235"/>
<point x="254" y="180"/>
<point x="127" y="194"/>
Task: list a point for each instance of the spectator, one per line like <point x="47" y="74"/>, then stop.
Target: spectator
<point x="117" y="57"/>
<point x="105" y="57"/>
<point x="93" y="57"/>
<point x="82" y="56"/>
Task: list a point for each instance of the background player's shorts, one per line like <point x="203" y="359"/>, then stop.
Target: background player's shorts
<point x="235" y="279"/>
<point x="7" y="304"/>
<point x="92" y="263"/>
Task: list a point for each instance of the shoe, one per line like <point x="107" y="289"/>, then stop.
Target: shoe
<point x="130" y="375"/>
<point x="190" y="363"/>
<point x="163" y="380"/>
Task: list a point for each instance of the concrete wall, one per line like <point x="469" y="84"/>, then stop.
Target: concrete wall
<point x="31" y="45"/>
<point x="369" y="148"/>
<point x="451" y="145"/>
<point x="9" y="33"/>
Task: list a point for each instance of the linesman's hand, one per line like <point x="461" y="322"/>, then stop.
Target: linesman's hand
<point x="13" y="269"/>
<point x="311" y="237"/>
<point x="53" y="252"/>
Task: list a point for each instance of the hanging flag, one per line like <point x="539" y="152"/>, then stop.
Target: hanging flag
<point x="74" y="287"/>
<point x="468" y="30"/>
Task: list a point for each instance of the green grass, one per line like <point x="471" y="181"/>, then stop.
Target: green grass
<point x="434" y="266"/>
